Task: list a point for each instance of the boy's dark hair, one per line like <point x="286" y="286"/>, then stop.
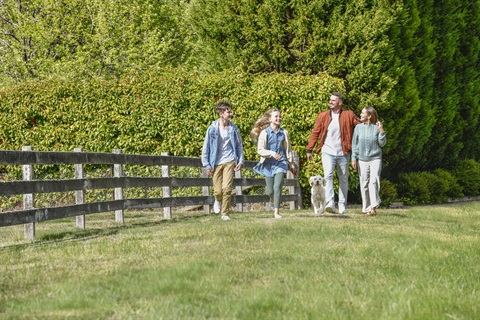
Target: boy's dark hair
<point x="222" y="106"/>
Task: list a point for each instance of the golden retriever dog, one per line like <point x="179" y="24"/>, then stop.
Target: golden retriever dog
<point x="318" y="194"/>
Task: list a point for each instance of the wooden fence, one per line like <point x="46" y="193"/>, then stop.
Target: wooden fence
<point x="28" y="187"/>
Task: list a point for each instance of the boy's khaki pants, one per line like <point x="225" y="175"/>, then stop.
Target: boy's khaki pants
<point x="223" y="185"/>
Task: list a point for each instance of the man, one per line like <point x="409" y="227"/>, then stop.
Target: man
<point x="334" y="127"/>
<point x="222" y="154"/>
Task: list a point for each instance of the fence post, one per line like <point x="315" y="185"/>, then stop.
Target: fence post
<point x="79" y="194"/>
<point x="118" y="173"/>
<point x="238" y="191"/>
<point x="167" y="211"/>
<point x="205" y="192"/>
<point x="28" y="199"/>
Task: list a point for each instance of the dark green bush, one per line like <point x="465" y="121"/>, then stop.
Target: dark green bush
<point x="446" y="186"/>
<point x="388" y="192"/>
<point x="428" y="187"/>
<point x="467" y="174"/>
<point x="414" y="187"/>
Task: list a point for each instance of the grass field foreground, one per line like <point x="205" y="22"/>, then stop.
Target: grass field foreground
<point x="412" y="263"/>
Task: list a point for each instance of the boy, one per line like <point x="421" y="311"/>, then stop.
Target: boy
<point x="222" y="155"/>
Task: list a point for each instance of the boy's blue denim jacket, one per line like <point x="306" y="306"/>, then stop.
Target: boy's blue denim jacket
<point x="210" y="144"/>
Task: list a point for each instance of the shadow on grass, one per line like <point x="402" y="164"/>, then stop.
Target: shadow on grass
<point x="88" y="234"/>
<point x="396" y="215"/>
<point x="324" y="216"/>
<point x="80" y="235"/>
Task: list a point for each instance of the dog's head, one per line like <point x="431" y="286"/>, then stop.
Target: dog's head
<point x="317" y="181"/>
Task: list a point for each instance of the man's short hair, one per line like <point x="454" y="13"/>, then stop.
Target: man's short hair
<point x="339" y="95"/>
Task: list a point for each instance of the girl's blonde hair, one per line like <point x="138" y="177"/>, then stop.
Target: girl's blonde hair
<point x="262" y="123"/>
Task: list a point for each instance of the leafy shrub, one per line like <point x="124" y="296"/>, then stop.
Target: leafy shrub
<point x="158" y="111"/>
<point x="388" y="192"/>
<point x="414" y="187"/>
<point x="428" y="187"/>
<point x="467" y="173"/>
<point x="446" y="185"/>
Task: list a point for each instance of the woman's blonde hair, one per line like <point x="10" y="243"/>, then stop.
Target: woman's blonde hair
<point x="262" y="123"/>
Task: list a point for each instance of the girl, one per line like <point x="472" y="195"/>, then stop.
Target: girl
<point x="368" y="140"/>
<point x="276" y="155"/>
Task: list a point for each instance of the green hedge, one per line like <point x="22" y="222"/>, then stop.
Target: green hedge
<point x="159" y="111"/>
<point x="440" y="185"/>
<point x="169" y="111"/>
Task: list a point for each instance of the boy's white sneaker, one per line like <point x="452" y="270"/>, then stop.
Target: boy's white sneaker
<point x="225" y="218"/>
<point x="217" y="206"/>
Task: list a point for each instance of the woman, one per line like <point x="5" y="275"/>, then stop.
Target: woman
<point x="276" y="156"/>
<point x="368" y="140"/>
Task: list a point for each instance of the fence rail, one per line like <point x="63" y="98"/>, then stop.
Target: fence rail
<point x="29" y="187"/>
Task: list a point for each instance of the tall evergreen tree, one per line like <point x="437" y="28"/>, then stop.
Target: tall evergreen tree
<point x="467" y="58"/>
<point x="444" y="145"/>
<point x="410" y="114"/>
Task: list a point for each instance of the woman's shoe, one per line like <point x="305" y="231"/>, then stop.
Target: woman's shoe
<point x="372" y="212"/>
<point x="275" y="214"/>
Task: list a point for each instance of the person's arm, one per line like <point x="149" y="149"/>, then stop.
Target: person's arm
<point x="262" y="146"/>
<point x="239" y="151"/>
<point x="206" y="153"/>
<point x="312" y="141"/>
<point x="355" y="148"/>
<point x="356" y="119"/>
<point x="289" y="153"/>
<point x="382" y="136"/>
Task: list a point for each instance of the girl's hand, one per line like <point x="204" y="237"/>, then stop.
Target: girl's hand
<point x="354" y="165"/>
<point x="278" y="156"/>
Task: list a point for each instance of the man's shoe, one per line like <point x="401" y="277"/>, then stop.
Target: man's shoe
<point x="329" y="208"/>
<point x="225" y="218"/>
<point x="342" y="209"/>
<point x="217" y="206"/>
<point x="277" y="216"/>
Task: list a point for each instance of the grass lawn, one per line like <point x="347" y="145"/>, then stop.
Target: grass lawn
<point x="412" y="263"/>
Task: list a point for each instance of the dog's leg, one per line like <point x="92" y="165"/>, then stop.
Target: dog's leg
<point x="317" y="209"/>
